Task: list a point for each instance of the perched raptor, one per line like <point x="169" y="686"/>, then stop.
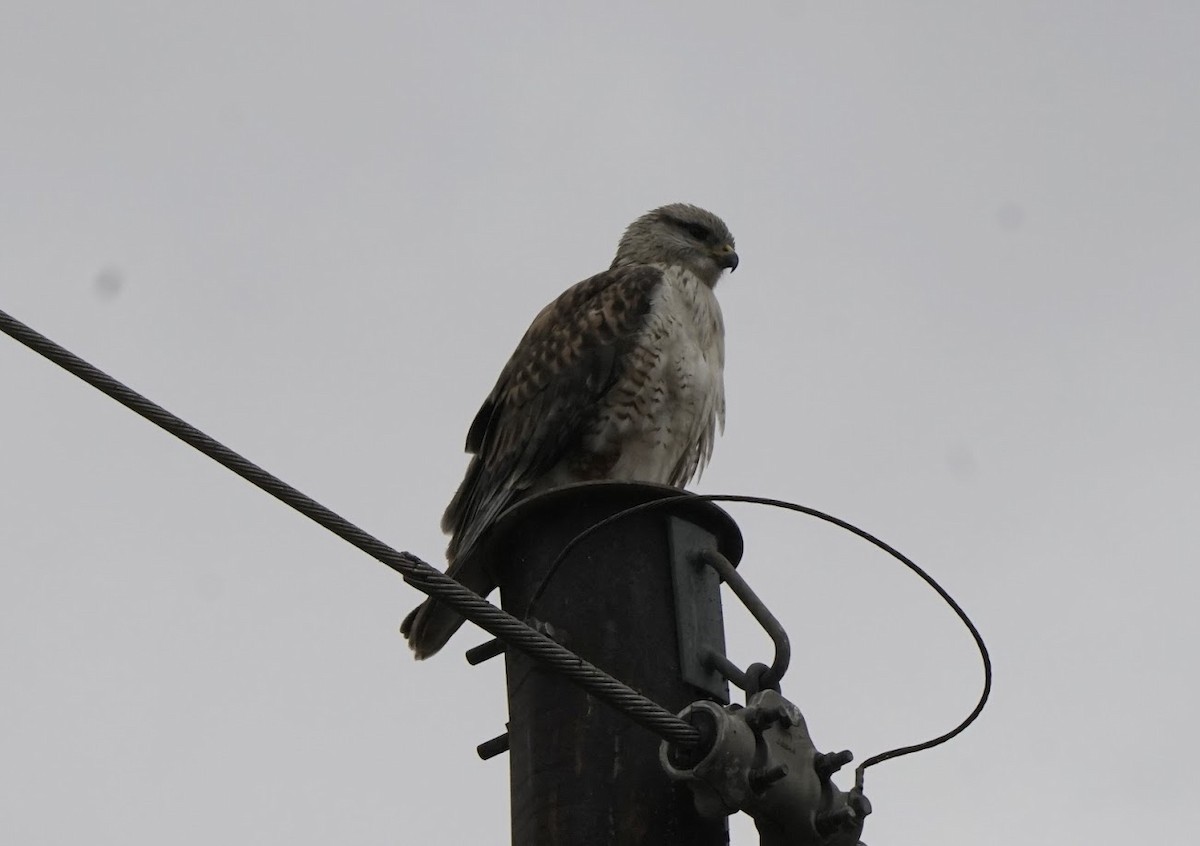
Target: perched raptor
<point x="619" y="378"/>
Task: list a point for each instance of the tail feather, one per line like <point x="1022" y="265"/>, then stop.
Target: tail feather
<point x="432" y="623"/>
<point x="476" y="505"/>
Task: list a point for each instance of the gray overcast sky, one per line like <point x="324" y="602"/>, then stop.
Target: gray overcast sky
<point x="966" y="318"/>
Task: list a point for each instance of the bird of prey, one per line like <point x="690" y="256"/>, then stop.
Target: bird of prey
<point x="619" y="378"/>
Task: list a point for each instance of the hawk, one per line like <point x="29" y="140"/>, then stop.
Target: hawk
<point x="619" y="378"/>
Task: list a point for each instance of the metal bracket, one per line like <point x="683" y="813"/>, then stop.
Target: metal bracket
<point x="761" y="760"/>
<point x="751" y="682"/>
<point x="698" y="618"/>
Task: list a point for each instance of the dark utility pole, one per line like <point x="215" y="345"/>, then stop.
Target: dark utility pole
<point x="581" y="772"/>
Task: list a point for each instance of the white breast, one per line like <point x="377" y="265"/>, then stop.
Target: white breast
<point x="665" y="419"/>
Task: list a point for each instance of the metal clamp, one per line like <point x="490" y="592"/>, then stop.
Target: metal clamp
<point x="761" y="760"/>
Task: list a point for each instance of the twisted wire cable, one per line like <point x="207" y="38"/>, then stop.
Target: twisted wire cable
<point x="416" y="572"/>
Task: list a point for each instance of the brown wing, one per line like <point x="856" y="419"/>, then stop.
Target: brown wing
<point x="570" y="356"/>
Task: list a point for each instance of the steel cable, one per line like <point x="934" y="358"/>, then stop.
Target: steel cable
<point x="416" y="572"/>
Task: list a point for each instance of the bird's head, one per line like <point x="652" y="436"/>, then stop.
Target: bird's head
<point x="679" y="234"/>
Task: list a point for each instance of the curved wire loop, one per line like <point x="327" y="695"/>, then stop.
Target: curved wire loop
<point x="984" y="655"/>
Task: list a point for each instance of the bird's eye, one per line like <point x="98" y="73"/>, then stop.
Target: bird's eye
<point x="697" y="230"/>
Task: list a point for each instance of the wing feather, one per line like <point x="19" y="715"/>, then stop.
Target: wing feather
<point x="571" y="355"/>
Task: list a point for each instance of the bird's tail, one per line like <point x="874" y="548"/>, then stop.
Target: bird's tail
<point x="476" y="505"/>
<point x="432" y="623"/>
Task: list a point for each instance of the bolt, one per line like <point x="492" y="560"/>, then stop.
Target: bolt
<point x="828" y="763"/>
<point x="757" y="717"/>
<point x="478" y="654"/>
<point x="492" y="748"/>
<point x="760" y="780"/>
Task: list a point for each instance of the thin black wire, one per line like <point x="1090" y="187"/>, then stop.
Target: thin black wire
<point x="415" y="571"/>
<point x="829" y="518"/>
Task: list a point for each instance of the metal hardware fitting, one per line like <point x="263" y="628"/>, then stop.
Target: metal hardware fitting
<point x="761" y="760"/>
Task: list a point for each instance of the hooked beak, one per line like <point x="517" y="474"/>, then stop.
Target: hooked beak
<point x="727" y="258"/>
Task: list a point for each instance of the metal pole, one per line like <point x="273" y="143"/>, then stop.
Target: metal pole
<point x="581" y="772"/>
